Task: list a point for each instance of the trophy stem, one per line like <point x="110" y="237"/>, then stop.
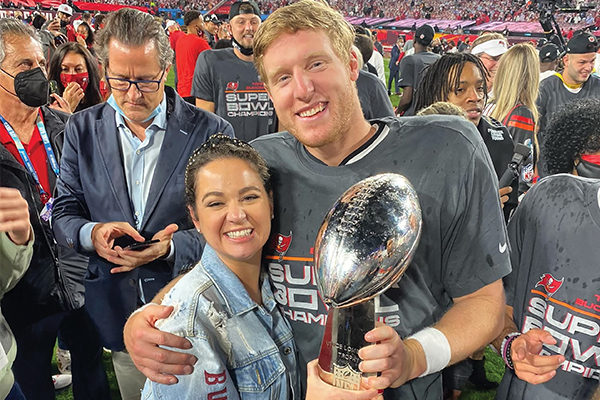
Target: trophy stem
<point x="344" y="336"/>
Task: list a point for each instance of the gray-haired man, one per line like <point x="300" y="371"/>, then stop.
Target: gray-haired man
<point x="122" y="180"/>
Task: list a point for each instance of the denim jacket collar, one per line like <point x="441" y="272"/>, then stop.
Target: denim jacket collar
<point x="235" y="296"/>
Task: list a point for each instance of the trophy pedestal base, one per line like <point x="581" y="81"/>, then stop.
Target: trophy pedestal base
<point x="344" y="336"/>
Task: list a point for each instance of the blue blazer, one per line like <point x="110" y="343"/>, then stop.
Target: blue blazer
<point x="92" y="188"/>
<point x="394" y="57"/>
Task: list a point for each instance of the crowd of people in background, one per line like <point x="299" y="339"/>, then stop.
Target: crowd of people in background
<point x="481" y="11"/>
<point x="174" y="226"/>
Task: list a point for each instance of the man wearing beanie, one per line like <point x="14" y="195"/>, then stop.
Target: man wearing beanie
<point x="410" y="68"/>
<point x="226" y="82"/>
<point x="576" y="82"/>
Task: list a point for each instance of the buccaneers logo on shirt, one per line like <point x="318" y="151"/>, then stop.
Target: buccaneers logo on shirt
<point x="281" y="244"/>
<point x="550" y="283"/>
<point x="233" y="86"/>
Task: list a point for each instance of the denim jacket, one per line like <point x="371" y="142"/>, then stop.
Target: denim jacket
<point x="244" y="351"/>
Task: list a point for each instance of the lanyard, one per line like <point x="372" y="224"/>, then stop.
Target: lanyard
<point x="25" y="156"/>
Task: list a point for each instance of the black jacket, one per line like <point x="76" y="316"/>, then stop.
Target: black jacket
<point x="54" y="280"/>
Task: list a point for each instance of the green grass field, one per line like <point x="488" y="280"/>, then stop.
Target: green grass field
<point x="494" y="365"/>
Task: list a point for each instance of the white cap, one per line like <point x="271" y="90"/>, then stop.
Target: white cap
<point x="493" y="48"/>
<point x="76" y="23"/>
<point x="170" y="23"/>
<point x="66" y="9"/>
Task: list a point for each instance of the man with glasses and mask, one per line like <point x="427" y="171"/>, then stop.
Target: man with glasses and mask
<point x="122" y="181"/>
<point x="31" y="137"/>
<point x="226" y="82"/>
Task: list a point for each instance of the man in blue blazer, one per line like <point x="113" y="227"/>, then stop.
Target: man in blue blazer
<point x="122" y="181"/>
<point x="396" y="55"/>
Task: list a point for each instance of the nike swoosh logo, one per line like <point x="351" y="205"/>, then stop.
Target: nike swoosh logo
<point x="502" y="247"/>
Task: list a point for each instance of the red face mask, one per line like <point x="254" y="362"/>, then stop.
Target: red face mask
<point x="82" y="79"/>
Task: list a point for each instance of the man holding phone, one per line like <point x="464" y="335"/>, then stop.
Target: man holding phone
<point x="122" y="181"/>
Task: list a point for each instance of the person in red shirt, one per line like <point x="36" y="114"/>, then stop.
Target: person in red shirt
<point x="187" y="49"/>
<point x="174" y="31"/>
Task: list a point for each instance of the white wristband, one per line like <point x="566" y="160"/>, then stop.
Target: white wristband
<point x="436" y="348"/>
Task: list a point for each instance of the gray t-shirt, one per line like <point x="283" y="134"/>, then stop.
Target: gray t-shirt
<point x="411" y="72"/>
<point x="239" y="95"/>
<point x="555" y="283"/>
<point x="553" y="95"/>
<point x="463" y="227"/>
<point x="374" y="101"/>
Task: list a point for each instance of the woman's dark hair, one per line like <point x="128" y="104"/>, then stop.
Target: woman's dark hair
<point x="443" y="77"/>
<point x="89" y="40"/>
<point x="92" y="92"/>
<point x="572" y="131"/>
<point x="217" y="147"/>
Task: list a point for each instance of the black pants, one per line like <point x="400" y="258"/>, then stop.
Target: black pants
<point x="35" y="345"/>
<point x="394" y="76"/>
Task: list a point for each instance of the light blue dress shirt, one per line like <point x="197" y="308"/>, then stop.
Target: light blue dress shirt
<point x="139" y="163"/>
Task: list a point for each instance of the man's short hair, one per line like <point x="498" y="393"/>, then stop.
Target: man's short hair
<point x="364" y="44"/>
<point x="133" y="28"/>
<point x="305" y="15"/>
<point x="572" y="131"/>
<point x="12" y="26"/>
<point x="190" y="16"/>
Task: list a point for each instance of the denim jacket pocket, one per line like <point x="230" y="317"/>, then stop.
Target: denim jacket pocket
<point x="263" y="378"/>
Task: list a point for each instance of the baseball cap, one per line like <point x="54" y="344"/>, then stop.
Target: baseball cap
<point x="549" y="52"/>
<point x="243" y="7"/>
<point x="582" y="43"/>
<point x="212" y="18"/>
<point x="424" y="34"/>
<point x="66" y="9"/>
<point x="169" y="24"/>
<point x="492" y="48"/>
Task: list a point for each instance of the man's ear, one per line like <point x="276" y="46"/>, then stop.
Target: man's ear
<point x="353" y="64"/>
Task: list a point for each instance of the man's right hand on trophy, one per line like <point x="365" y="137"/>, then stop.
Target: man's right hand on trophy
<point x="317" y="389"/>
<point x="396" y="360"/>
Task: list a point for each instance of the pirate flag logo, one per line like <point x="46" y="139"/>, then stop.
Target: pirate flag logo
<point x="550" y="283"/>
<point x="281" y="244"/>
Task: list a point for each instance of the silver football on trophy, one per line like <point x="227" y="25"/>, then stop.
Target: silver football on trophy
<point x="367" y="240"/>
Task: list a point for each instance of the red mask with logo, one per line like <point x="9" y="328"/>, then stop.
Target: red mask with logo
<point x="82" y="79"/>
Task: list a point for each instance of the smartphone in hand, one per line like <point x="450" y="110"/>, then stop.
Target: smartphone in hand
<point x="141" y="245"/>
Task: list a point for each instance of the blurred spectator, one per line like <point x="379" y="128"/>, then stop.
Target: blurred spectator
<point x="75" y="71"/>
<point x="396" y="56"/>
<point x="489" y="47"/>
<point x="211" y="29"/>
<point x="64" y="14"/>
<point x="412" y="66"/>
<point x="85" y="36"/>
<point x="187" y="49"/>
<point x="549" y="58"/>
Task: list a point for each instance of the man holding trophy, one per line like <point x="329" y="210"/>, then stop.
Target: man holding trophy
<point x="450" y="300"/>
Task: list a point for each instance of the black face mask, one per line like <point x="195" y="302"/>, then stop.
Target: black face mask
<point x="588" y="169"/>
<point x="31" y="87"/>
<point x="63" y="24"/>
<point x="244" y="50"/>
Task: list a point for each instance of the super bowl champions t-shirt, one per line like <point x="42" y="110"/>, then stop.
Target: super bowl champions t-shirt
<point x="235" y="88"/>
<point x="555" y="283"/>
<point x="463" y="244"/>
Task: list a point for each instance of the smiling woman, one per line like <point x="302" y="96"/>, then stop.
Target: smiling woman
<point x="226" y="296"/>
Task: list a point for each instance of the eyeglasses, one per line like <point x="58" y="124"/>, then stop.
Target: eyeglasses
<point x="143" y="85"/>
<point x="490" y="58"/>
